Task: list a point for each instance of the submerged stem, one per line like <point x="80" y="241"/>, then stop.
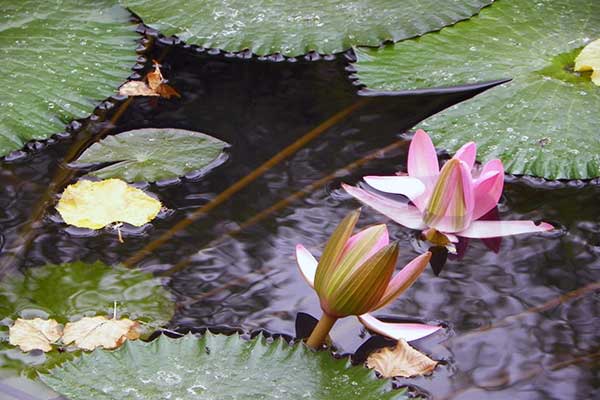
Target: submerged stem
<point x="319" y="334"/>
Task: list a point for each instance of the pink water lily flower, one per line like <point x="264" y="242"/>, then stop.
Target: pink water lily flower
<point x="354" y="277"/>
<point x="446" y="203"/>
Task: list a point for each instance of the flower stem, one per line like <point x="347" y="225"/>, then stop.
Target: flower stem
<point x="319" y="334"/>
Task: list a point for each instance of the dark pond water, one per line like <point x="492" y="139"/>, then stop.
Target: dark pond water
<point x="503" y="339"/>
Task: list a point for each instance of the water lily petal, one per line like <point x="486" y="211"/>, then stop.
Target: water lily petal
<point x="408" y="186"/>
<point x="450" y="208"/>
<point x="488" y="229"/>
<point x="404" y="214"/>
<point x="406" y="331"/>
<point x="467" y="153"/>
<point x="307" y="264"/>
<point x="404" y="279"/>
<point x="355" y="290"/>
<point x="488" y="188"/>
<point x="333" y="250"/>
<point x="381" y="239"/>
<point x="422" y="158"/>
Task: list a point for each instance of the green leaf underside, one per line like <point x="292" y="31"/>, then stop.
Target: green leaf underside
<point x="70" y="291"/>
<point x="544" y="122"/>
<point x="152" y="154"/>
<point x="58" y="60"/>
<point x="216" y="367"/>
<point x="282" y="26"/>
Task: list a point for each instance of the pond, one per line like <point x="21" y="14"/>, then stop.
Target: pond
<point x="519" y="321"/>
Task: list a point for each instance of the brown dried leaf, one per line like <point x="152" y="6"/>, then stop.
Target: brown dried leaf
<point x="32" y="334"/>
<point x="156" y="86"/>
<point x="89" y="333"/>
<point x="402" y="360"/>
<point x="136" y="88"/>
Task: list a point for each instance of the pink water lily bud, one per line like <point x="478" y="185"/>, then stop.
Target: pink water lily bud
<point x="356" y="275"/>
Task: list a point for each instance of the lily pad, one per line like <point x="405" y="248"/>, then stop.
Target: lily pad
<point x="216" y="367"/>
<point x="58" y="61"/>
<point x="545" y="121"/>
<point x="72" y="291"/>
<point x="152" y="154"/>
<point x="282" y="26"/>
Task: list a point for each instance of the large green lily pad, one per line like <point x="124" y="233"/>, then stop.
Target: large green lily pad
<point x="544" y="122"/>
<point x="59" y="59"/>
<point x="216" y="367"/>
<point x="70" y="291"/>
<point x="152" y="154"/>
<point x="292" y="28"/>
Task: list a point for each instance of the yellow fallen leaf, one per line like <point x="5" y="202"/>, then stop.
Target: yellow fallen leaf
<point x="402" y="360"/>
<point x="156" y="86"/>
<point x="94" y="205"/>
<point x="589" y="60"/>
<point x="32" y="334"/>
<point x="89" y="333"/>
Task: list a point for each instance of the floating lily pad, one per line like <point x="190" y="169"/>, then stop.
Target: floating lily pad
<point x="216" y="367"/>
<point x="287" y="27"/>
<point x="58" y="61"/>
<point x="71" y="291"/>
<point x="152" y="154"/>
<point x="544" y="122"/>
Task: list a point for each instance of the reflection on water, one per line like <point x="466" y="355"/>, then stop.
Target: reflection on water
<point x="249" y="280"/>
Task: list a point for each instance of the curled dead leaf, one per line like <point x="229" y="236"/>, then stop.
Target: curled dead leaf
<point x="94" y="205"/>
<point x="136" y="88"/>
<point x="401" y="360"/>
<point x="91" y="332"/>
<point x="156" y="86"/>
<point x="35" y="334"/>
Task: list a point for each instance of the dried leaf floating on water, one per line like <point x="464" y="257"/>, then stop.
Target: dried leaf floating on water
<point x="589" y="60"/>
<point x="89" y="333"/>
<point x="94" y="205"/>
<point x="402" y="360"/>
<point x="156" y="86"/>
<point x="35" y="334"/>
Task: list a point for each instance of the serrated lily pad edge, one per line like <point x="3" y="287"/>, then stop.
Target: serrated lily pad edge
<point x="78" y="125"/>
<point x="263" y="338"/>
<point x="349" y="53"/>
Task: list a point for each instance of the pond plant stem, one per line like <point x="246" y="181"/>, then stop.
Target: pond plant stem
<point x="245" y="181"/>
<point x="319" y="334"/>
<point x="283" y="203"/>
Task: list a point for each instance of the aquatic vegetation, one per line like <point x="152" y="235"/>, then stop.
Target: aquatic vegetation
<point x="59" y="60"/>
<point x="153" y="154"/>
<point x="278" y="26"/>
<point x="446" y="203"/>
<point x="215" y="366"/>
<point x="94" y="205"/>
<point x="74" y="291"/>
<point x="544" y="122"/>
<point x="354" y="277"/>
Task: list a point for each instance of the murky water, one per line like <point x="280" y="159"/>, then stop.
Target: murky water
<point x="503" y="339"/>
